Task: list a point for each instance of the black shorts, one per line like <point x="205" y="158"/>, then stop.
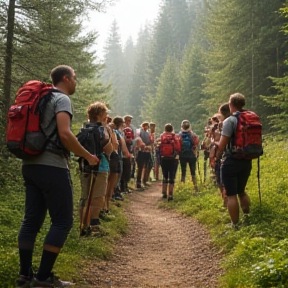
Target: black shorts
<point x="235" y="174"/>
<point x="114" y="163"/>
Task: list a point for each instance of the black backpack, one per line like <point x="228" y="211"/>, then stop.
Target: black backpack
<point x="90" y="136"/>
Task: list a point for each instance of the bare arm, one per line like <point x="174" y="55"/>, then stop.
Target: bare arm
<point x="124" y="148"/>
<point x="69" y="141"/>
<point x="224" y="140"/>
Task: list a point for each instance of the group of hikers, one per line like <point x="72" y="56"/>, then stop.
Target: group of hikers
<point x="233" y="137"/>
<point x="111" y="152"/>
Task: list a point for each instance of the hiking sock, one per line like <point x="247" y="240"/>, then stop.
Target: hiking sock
<point x="47" y="262"/>
<point x="25" y="262"/>
<point x="94" y="222"/>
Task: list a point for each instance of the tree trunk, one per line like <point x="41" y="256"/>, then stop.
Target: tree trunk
<point x="9" y="56"/>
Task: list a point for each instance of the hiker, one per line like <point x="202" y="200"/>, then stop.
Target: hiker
<point x="155" y="151"/>
<point x="157" y="159"/>
<point x="170" y="148"/>
<point x="188" y="154"/>
<point x="118" y="123"/>
<point x="205" y="145"/>
<point x="214" y="136"/>
<point x="234" y="172"/>
<point x="114" y="167"/>
<point x="150" y="161"/>
<point x="143" y="156"/>
<point x="224" y="110"/>
<point x="95" y="187"/>
<point x="127" y="163"/>
<point x="48" y="187"/>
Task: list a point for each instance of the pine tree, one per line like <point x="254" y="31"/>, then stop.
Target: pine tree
<point x="139" y="78"/>
<point x="113" y="73"/>
<point x="244" y="38"/>
<point x="163" y="108"/>
<point x="191" y="86"/>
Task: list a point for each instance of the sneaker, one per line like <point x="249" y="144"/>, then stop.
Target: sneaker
<point x="164" y="196"/>
<point x="23" y="282"/>
<point x="52" y="281"/>
<point x="170" y="198"/>
<point x="127" y="190"/>
<point x="118" y="197"/>
<point x="140" y="188"/>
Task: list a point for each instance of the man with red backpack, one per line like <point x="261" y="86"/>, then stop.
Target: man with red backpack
<point x="170" y="148"/>
<point x="241" y="142"/>
<point x="48" y="186"/>
<point x="188" y="154"/>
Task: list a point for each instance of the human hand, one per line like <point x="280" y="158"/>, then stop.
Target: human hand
<point x="93" y="160"/>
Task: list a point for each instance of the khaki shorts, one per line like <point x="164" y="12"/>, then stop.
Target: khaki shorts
<point x="99" y="186"/>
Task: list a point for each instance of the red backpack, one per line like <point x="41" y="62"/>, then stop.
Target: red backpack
<point x="247" y="140"/>
<point x="24" y="136"/>
<point x="170" y="145"/>
<point x="129" y="135"/>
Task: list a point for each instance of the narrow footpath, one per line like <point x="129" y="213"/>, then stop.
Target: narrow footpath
<point x="162" y="249"/>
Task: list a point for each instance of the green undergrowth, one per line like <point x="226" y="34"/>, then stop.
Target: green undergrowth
<point x="255" y="255"/>
<point x="76" y="250"/>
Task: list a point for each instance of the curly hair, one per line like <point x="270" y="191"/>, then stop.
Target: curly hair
<point x="96" y="109"/>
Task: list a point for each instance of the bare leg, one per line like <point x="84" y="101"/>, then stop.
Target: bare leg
<point x="233" y="208"/>
<point x="244" y="202"/>
<point x="112" y="181"/>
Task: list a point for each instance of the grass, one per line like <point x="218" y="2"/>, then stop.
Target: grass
<point x="75" y="252"/>
<point x="256" y="254"/>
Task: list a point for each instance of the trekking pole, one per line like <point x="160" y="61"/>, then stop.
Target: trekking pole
<point x="88" y="204"/>
<point x="258" y="176"/>
<point x="205" y="170"/>
<point x="198" y="165"/>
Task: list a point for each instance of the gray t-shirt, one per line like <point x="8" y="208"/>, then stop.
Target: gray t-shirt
<point x="145" y="136"/>
<point x="229" y="126"/>
<point x="59" y="103"/>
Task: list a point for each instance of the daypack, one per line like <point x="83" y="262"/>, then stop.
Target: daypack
<point x="170" y="145"/>
<point x="129" y="135"/>
<point x="90" y="138"/>
<point x="24" y="135"/>
<point x="246" y="143"/>
<point x="186" y="143"/>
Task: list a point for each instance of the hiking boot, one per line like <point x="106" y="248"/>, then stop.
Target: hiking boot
<point x="94" y="230"/>
<point x="23" y="282"/>
<point x="170" y="198"/>
<point x="82" y="232"/>
<point x="164" y="196"/>
<point x="52" y="281"/>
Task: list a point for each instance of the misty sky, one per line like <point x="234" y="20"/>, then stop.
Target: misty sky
<point x="130" y="16"/>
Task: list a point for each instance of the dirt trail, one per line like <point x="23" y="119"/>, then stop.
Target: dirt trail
<point x="162" y="249"/>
